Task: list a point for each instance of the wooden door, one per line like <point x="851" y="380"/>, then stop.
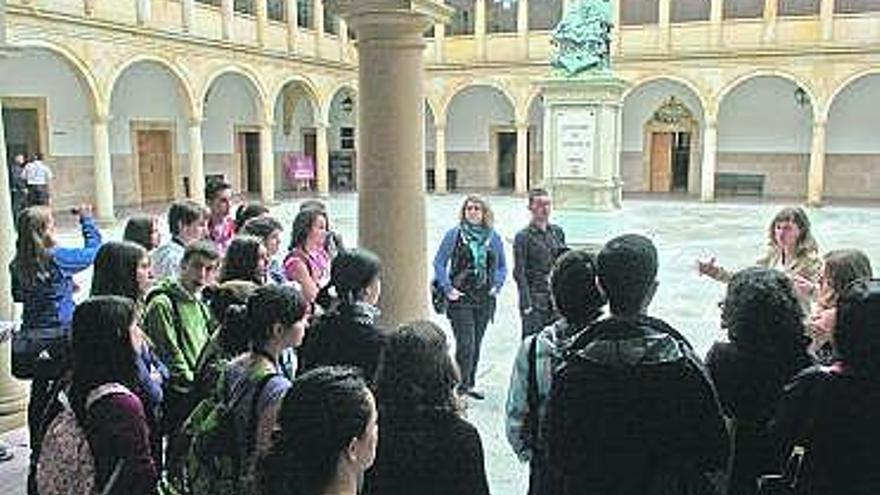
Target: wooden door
<point x="154" y="164"/>
<point x="661" y="161"/>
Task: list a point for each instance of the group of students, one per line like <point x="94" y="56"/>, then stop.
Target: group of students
<point x="29" y="181"/>
<point x="208" y="364"/>
<point x="610" y="400"/>
<point x="191" y="371"/>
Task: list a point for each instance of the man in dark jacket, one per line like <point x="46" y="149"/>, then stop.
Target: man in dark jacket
<point x="535" y="249"/>
<point x="632" y="410"/>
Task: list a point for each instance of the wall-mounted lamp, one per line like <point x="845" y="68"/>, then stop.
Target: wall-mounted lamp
<point x="347" y="104"/>
<point x="800" y="97"/>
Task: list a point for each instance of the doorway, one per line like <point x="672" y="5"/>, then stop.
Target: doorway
<point x="670" y="161"/>
<point x="247" y="148"/>
<point x="154" y="159"/>
<point x="506" y="159"/>
<point x="22" y="126"/>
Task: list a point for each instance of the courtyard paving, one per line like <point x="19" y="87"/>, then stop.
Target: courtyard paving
<point x="683" y="231"/>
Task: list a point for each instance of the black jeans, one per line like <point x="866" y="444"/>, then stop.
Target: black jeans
<point x="469" y="322"/>
<point x="37" y="418"/>
<point x="535" y="321"/>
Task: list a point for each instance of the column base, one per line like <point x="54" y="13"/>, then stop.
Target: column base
<point x="587" y="195"/>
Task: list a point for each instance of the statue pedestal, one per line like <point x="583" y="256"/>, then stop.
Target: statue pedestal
<point x="582" y="140"/>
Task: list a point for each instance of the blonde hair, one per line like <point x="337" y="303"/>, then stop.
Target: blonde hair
<point x="488" y="216"/>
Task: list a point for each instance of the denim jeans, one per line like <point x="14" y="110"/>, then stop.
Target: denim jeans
<point x="469" y="322"/>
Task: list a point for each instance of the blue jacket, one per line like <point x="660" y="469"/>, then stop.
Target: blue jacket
<point x="444" y="256"/>
<point x="49" y="302"/>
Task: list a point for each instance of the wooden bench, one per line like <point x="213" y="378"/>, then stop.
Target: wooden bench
<point x="739" y="184"/>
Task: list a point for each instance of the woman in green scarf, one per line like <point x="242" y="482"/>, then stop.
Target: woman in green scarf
<point x="470" y="269"/>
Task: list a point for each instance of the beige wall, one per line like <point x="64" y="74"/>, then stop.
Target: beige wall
<point x="785" y="174"/>
<point x="852" y="176"/>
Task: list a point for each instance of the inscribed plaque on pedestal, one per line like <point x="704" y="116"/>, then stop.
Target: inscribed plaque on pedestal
<point x="575" y="137"/>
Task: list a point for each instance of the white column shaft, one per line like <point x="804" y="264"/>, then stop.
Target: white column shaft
<point x="521" y="176"/>
<point x="716" y="22"/>
<point x="826" y="17"/>
<point x="440" y="43"/>
<point x="292" y="25"/>
<point x="267" y="164"/>
<point x="262" y="21"/>
<point x="771" y="13"/>
<point x="816" y="180"/>
<point x="144" y="11"/>
<point x="103" y="170"/>
<point x="440" y="185"/>
<point x="664" y="24"/>
<point x="196" y="163"/>
<point x="187" y="8"/>
<point x="228" y="12"/>
<point x="522" y="25"/>
<point x="480" y="28"/>
<point x="710" y="157"/>
<point x="7" y="230"/>
<point x="323" y="158"/>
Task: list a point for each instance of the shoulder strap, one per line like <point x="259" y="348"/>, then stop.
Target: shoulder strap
<point x="532" y="391"/>
<point x="254" y="415"/>
<point x="178" y="320"/>
<point x="104" y="390"/>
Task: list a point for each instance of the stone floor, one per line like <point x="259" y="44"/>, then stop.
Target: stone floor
<point x="684" y="231"/>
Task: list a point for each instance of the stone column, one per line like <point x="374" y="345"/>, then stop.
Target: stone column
<point x="710" y="157"/>
<point x="391" y="146"/>
<point x="103" y="169"/>
<point x="440" y="185"/>
<point x="13" y="395"/>
<point x="187" y="8"/>
<point x="816" y="180"/>
<point x="196" y="162"/>
<point x="771" y="12"/>
<point x="267" y="163"/>
<point x="343" y="39"/>
<point x="262" y="21"/>
<point x="522" y="26"/>
<point x="664" y="25"/>
<point x="292" y="25"/>
<point x="319" y="25"/>
<point x="480" y="28"/>
<point x="440" y="42"/>
<point x="228" y="11"/>
<point x="618" y="29"/>
<point x="521" y="177"/>
<point x="144" y="11"/>
<point x="826" y="17"/>
<point x="716" y="23"/>
<point x="2" y="29"/>
<point x="323" y="158"/>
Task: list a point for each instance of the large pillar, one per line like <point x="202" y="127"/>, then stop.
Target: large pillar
<point x="13" y="395"/>
<point x="391" y="122"/>
<point x="771" y="12"/>
<point x="343" y="40"/>
<point x="664" y="24"/>
<point x="267" y="163"/>
<point x="144" y="11"/>
<point x="522" y="26"/>
<point x="196" y="162"/>
<point x="292" y="25"/>
<point x="262" y="22"/>
<point x="103" y="170"/>
<point x="521" y="177"/>
<point x="710" y="157"/>
<point x="319" y="25"/>
<point x="716" y="23"/>
<point x="826" y="17"/>
<point x="816" y="180"/>
<point x="440" y="42"/>
<point x="440" y="185"/>
<point x="187" y="8"/>
<point x="480" y="28"/>
<point x="228" y="12"/>
<point x="323" y="158"/>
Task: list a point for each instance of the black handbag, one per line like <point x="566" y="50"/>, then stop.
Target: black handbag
<point x="40" y="353"/>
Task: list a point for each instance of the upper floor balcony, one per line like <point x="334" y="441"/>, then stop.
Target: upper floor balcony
<point x="496" y="31"/>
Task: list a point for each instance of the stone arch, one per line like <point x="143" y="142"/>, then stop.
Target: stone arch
<point x="689" y="84"/>
<point x="80" y="69"/>
<point x="306" y="83"/>
<point x="844" y="84"/>
<point x="327" y="101"/>
<point x="738" y="81"/>
<point x="471" y="83"/>
<point x="183" y="82"/>
<point x="264" y="108"/>
<point x="662" y="136"/>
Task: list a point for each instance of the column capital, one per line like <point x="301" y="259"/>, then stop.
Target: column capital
<point x="440" y="127"/>
<point x="389" y="14"/>
<point x="195" y="121"/>
<point x="268" y="123"/>
<point x="820" y="122"/>
<point x="101" y="119"/>
<point x="321" y="125"/>
<point x="523" y="125"/>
